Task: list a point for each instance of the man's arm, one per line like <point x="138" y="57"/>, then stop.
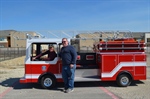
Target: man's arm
<point x="73" y="54"/>
<point x="40" y="55"/>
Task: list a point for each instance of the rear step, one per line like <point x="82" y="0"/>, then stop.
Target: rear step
<point x="87" y="75"/>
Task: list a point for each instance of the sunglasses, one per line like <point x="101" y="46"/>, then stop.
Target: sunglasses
<point x="64" y="41"/>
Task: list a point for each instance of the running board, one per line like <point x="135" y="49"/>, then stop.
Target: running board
<point x="87" y="75"/>
<point x="82" y="79"/>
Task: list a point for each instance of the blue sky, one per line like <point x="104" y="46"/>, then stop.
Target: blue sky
<point x="34" y="15"/>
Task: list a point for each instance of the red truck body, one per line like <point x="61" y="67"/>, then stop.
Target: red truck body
<point x="121" y="60"/>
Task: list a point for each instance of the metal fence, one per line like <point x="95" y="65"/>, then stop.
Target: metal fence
<point x="10" y="53"/>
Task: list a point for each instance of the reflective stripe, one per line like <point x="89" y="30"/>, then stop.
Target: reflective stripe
<point x="32" y="76"/>
<point x="123" y="64"/>
<point x="120" y="52"/>
<point x="36" y="76"/>
<point x="89" y="57"/>
<point x="108" y="74"/>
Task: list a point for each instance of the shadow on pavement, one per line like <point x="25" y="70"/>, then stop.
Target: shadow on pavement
<point x="14" y="82"/>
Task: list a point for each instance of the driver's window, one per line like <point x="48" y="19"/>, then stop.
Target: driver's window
<point x="43" y="51"/>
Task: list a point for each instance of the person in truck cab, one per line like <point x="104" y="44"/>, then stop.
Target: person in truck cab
<point x="51" y="54"/>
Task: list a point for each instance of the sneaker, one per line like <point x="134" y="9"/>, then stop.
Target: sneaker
<point x="69" y="90"/>
<point x="64" y="90"/>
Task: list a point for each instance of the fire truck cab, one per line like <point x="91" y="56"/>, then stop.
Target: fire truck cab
<point x="119" y="59"/>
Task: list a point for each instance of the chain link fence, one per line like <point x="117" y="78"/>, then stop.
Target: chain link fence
<point x="11" y="53"/>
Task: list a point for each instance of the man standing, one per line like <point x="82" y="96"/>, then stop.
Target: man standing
<point x="69" y="56"/>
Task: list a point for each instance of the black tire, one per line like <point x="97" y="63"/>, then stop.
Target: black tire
<point x="124" y="80"/>
<point x="48" y="82"/>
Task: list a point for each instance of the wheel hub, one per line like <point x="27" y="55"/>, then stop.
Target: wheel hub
<point x="124" y="80"/>
<point x="47" y="82"/>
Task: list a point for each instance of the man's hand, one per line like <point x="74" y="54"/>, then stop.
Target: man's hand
<point x="71" y="65"/>
<point x="33" y="58"/>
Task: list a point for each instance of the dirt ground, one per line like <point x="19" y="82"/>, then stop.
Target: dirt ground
<point x="15" y="69"/>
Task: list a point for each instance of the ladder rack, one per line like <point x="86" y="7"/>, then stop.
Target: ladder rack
<point x="120" y="46"/>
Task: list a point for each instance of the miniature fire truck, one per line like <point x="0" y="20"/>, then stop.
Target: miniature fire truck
<point x="117" y="59"/>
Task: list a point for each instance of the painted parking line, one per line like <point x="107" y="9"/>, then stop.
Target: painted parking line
<point x="7" y="90"/>
<point x="109" y="93"/>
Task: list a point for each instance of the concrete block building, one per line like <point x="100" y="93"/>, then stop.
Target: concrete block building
<point x="13" y="38"/>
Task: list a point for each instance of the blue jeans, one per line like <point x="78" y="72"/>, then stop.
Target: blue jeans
<point x="68" y="75"/>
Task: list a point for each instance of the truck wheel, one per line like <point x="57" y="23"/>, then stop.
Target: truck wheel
<point x="123" y="80"/>
<point x="48" y="82"/>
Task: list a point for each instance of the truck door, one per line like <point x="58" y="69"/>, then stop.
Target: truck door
<point x="140" y="66"/>
<point x="126" y="61"/>
<point x="42" y="64"/>
<point x="109" y="62"/>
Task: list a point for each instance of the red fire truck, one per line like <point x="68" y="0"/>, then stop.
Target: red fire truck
<point x="116" y="59"/>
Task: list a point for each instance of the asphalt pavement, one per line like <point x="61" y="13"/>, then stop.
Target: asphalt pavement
<point x="82" y="90"/>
